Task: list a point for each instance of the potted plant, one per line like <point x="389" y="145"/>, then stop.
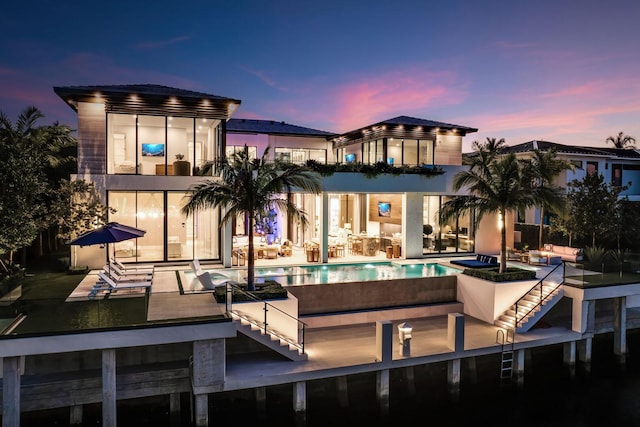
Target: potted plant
<point x="180" y="166"/>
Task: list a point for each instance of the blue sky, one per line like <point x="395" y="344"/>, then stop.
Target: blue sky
<point x="563" y="71"/>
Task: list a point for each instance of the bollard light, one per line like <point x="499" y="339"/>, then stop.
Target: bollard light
<point x="404" y="332"/>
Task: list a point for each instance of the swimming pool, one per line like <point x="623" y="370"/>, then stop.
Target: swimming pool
<point x="341" y="273"/>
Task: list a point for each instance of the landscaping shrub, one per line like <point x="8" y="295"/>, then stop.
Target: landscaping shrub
<point x="493" y="274"/>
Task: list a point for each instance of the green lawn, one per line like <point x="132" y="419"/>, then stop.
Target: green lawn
<point x="44" y="291"/>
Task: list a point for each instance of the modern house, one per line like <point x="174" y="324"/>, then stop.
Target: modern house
<point x="618" y="166"/>
<point x="146" y="145"/>
<point x="134" y="142"/>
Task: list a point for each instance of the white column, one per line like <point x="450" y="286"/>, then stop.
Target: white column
<point x="11" y="392"/>
<point x="453" y="378"/>
<point x="620" y="328"/>
<point x="412" y="225"/>
<point x="324" y="227"/>
<point x="569" y="357"/>
<point x="583" y="315"/>
<point x="227" y="243"/>
<point x="343" y="391"/>
<point x="109" y="415"/>
<point x="382" y="390"/>
<point x="299" y="397"/>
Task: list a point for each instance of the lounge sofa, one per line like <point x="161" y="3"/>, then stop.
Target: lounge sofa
<point x="480" y="261"/>
<point x="565" y="252"/>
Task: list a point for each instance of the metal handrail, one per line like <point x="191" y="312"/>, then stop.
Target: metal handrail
<point x="231" y="288"/>
<point x="542" y="298"/>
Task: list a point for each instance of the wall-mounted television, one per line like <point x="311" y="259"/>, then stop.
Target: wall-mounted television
<point x="153" y="150"/>
<point x="350" y="158"/>
<point x="384" y="209"/>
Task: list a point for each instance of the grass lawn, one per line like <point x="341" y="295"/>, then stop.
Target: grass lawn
<point x="44" y="291"/>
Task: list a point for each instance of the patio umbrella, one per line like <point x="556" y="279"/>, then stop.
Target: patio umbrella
<point x="111" y="232"/>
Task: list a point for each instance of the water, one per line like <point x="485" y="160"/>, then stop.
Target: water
<point x="340" y="273"/>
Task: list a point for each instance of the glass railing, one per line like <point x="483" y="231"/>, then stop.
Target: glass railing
<point x="602" y="272"/>
<point x="277" y="318"/>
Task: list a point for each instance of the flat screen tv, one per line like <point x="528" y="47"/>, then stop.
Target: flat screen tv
<point x="350" y="158"/>
<point x="153" y="150"/>
<point x="384" y="209"/>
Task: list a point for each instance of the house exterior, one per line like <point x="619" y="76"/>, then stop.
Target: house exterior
<point x="617" y="165"/>
<point x="145" y="145"/>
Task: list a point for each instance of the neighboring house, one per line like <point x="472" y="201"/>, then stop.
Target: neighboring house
<point x="617" y="165"/>
<point x="145" y="145"/>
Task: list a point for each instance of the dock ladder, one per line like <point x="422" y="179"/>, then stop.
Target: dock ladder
<point x="506" y="359"/>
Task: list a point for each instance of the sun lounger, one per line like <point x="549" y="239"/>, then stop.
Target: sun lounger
<point x="206" y="280"/>
<point x="132" y="269"/>
<point x="115" y="269"/>
<point x="113" y="284"/>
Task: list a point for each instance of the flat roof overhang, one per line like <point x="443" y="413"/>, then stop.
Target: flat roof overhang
<point x="400" y="127"/>
<point x="151" y="100"/>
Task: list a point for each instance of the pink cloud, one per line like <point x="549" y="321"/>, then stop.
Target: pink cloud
<point x="365" y="99"/>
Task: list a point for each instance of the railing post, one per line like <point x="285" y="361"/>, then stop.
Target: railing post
<point x="265" y="317"/>
<point x="229" y="297"/>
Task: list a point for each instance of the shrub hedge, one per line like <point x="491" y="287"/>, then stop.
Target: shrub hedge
<point x="493" y="274"/>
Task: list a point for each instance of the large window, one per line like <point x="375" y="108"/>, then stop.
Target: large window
<point x="151" y="145"/>
<point x="231" y="149"/>
<point x="300" y="155"/>
<point x="156" y="211"/>
<point x="455" y="235"/>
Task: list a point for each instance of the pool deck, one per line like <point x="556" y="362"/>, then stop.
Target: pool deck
<point x="336" y="350"/>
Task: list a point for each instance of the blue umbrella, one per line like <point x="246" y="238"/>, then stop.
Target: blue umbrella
<point x="111" y="232"/>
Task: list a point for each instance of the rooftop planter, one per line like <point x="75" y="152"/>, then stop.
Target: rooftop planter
<point x="493" y="274"/>
<point x="373" y="170"/>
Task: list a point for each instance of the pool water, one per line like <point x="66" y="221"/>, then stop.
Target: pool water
<point x="340" y="273"/>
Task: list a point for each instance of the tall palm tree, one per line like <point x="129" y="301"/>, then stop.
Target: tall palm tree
<point x="485" y="152"/>
<point x="540" y="172"/>
<point x="494" y="187"/>
<point x="246" y="186"/>
<point x="622" y="141"/>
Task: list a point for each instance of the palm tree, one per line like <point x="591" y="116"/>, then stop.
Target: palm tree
<point x="494" y="187"/>
<point x="246" y="186"/>
<point x="622" y="141"/>
<point x="485" y="152"/>
<point x="541" y="172"/>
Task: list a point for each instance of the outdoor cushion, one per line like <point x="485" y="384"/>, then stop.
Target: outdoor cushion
<point x="481" y="261"/>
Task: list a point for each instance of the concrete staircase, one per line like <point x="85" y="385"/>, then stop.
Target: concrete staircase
<point x="271" y="338"/>
<point x="531" y="307"/>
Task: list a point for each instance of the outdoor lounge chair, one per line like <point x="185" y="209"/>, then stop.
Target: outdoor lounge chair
<point x="113" y="270"/>
<point x="205" y="279"/>
<point x="136" y="269"/>
<point x="210" y="283"/>
<point x="127" y="284"/>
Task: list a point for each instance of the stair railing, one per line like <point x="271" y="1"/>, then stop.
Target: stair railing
<point x="555" y="277"/>
<point x="265" y="325"/>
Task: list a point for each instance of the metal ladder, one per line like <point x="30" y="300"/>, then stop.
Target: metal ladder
<point x="506" y="358"/>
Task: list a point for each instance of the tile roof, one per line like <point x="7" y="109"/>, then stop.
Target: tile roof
<point x="399" y="127"/>
<point x="573" y="149"/>
<point x="272" y="127"/>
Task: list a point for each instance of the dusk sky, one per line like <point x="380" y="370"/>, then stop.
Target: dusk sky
<point x="562" y="71"/>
